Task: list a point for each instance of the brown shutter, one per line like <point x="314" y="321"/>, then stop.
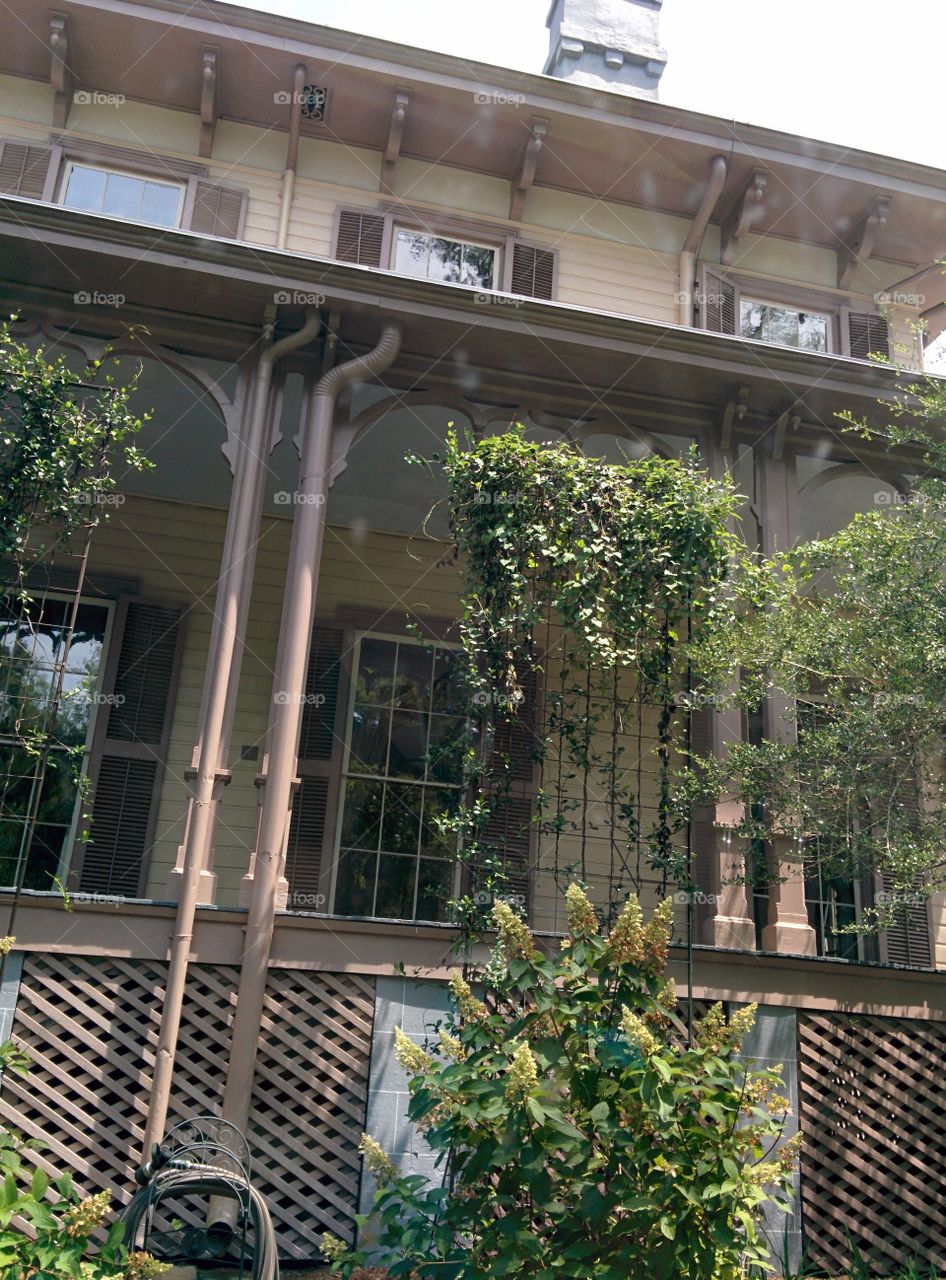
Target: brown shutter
<point x="533" y="271"/>
<point x="319" y="759"/>
<point x="218" y="210"/>
<point x="717" y="303"/>
<point x="908" y="941"/>
<point x="509" y="828"/>
<point x="360" y="237"/>
<point x="23" y="169"/>
<point x="127" y="774"/>
<point x="867" y="335"/>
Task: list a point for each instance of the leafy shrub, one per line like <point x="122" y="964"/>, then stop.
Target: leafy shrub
<point x="577" y="1136"/>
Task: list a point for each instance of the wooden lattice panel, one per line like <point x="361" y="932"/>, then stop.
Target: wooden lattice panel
<point x="90" y="1025"/>
<point x="310" y="1100"/>
<point x="874" y="1118"/>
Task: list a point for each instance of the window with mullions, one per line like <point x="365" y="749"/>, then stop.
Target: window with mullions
<point x="33" y="641"/>
<point x="122" y="195"/>
<point x="785" y="326"/>
<point x="437" y="258"/>
<point x="402" y="771"/>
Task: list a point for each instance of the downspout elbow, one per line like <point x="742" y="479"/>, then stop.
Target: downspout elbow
<point x="381" y="357"/>
<point x="717" y="179"/>
<point x="293" y="341"/>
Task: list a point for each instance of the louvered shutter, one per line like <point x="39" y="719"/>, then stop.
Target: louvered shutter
<point x="717" y="302"/>
<point x="867" y="335"/>
<point x="217" y="210"/>
<point x="360" y="237"/>
<point x="127" y="774"/>
<point x="533" y="271"/>
<point x="319" y="758"/>
<point x="908" y="941"/>
<point x="23" y="169"/>
<point x="508" y="830"/>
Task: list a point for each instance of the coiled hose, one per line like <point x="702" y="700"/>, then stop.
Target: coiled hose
<point x="180" y="1177"/>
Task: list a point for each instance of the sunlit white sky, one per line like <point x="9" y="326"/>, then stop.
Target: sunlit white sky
<point x="859" y="72"/>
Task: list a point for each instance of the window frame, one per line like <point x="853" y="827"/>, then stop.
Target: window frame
<point x="831" y="314"/>
<point x="343" y="774"/>
<point x="72" y="845"/>
<point x="71" y="162"/>
<point x="496" y="246"/>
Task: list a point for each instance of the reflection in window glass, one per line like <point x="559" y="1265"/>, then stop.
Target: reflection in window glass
<point x="32" y="645"/>
<point x="453" y="261"/>
<point x="122" y="195"/>
<point x="402" y="773"/>
<point x="783" y="326"/>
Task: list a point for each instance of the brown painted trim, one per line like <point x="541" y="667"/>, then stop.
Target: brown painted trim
<point x="151" y="163"/>
<point x="396" y="622"/>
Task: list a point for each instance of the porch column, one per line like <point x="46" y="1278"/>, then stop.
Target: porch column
<point x="729" y="921"/>
<point x="223" y="672"/>
<point x="285" y="717"/>
<point x="787" y="929"/>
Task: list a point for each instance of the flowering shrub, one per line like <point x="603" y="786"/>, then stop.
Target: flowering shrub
<point x="577" y="1136"/>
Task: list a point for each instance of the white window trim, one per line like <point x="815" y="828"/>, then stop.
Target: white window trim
<point x="344" y="774"/>
<point x="436" y="234"/>
<point x="68" y="845"/>
<point x="831" y="318"/>
<point x="179" y="185"/>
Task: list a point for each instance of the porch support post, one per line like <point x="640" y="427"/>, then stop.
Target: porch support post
<point x="730" y="922"/>
<point x="223" y="664"/>
<point x="285" y="715"/>
<point x="787" y="929"/>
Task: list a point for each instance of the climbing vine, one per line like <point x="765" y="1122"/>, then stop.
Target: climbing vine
<point x="584" y="585"/>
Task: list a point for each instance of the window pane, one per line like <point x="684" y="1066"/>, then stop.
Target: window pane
<point x="449" y="692"/>
<point x="477" y="267"/>
<point x="408" y="744"/>
<point x="411" y="254"/>
<point x="438" y="802"/>
<point x="412" y="686"/>
<point x="85" y="189"/>
<point x="123" y="196"/>
<point x="361" y="825"/>
<point x="447" y="744"/>
<point x="375" y="671"/>
<point x="369" y="740"/>
<point x="812" y="332"/>
<point x="784" y="326"/>
<point x="434" y="889"/>
<point x="18" y="770"/>
<point x="42" y="864"/>
<point x="160" y="204"/>
<point x="445" y="260"/>
<point x="400" y="832"/>
<point x="780" y="326"/>
<point x="354" y="895"/>
<point x="396" y="882"/>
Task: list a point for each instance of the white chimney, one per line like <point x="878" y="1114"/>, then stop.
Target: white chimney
<point x="611" y="44"/>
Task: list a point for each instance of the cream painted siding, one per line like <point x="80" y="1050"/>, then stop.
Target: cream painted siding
<point x="173" y="550"/>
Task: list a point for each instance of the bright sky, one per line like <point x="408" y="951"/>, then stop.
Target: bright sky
<point x="858" y="72"/>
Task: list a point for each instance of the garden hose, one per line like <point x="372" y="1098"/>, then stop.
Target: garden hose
<point x="180" y="1177"/>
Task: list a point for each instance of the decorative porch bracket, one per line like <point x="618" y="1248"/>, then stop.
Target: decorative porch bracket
<point x="859" y="245"/>
<point x="61" y="76"/>
<point x="525" y="172"/>
<point x="208" y="101"/>
<point x="745" y="212"/>
<point x="392" y="146"/>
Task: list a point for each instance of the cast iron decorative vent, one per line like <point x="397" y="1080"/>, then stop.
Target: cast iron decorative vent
<point x="313" y="103"/>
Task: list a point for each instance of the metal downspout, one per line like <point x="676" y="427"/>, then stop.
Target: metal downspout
<point x="292" y="155"/>
<point x="717" y="179"/>
<point x="302" y="577"/>
<point x="236" y="572"/>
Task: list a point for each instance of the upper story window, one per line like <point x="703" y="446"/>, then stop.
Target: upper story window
<point x="438" y="258"/>
<point x="785" y="326"/>
<point x="122" y="195"/>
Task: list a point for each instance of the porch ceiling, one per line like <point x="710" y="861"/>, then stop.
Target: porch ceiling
<point x="641" y="153"/>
